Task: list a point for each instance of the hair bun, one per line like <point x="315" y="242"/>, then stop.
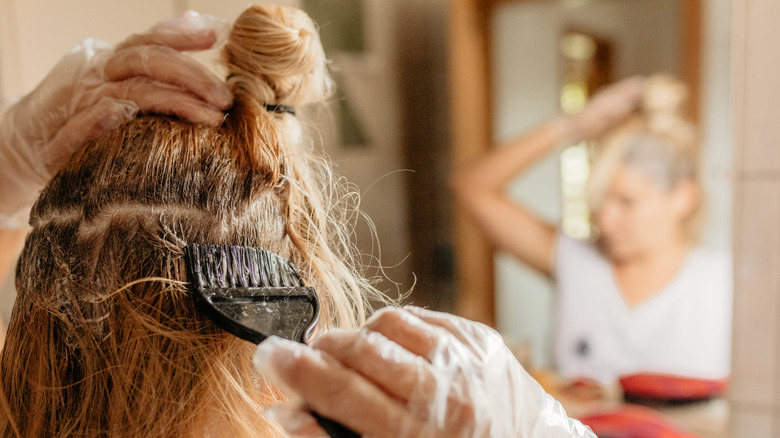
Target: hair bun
<point x="664" y="93"/>
<point x="663" y="102"/>
<point x="663" y="105"/>
<point x="274" y="55"/>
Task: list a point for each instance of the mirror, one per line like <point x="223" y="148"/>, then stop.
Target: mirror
<point x="531" y="53"/>
<point x="528" y="80"/>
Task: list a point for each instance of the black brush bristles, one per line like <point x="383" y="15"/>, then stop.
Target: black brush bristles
<point x="250" y="292"/>
<point x="253" y="293"/>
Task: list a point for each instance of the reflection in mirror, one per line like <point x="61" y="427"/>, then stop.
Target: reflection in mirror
<point x="549" y="57"/>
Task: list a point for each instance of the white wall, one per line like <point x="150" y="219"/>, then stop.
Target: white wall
<point x="527" y="79"/>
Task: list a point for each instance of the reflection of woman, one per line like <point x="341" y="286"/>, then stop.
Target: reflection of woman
<point x="647" y="298"/>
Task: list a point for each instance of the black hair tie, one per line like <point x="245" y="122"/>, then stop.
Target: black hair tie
<point x="280" y="108"/>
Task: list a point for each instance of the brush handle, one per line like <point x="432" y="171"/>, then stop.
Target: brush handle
<point x="333" y="428"/>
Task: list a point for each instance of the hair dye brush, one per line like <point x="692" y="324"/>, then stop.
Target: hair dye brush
<point x="253" y="293"/>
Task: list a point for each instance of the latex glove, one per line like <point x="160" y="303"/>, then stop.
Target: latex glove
<point x="412" y="373"/>
<point x="96" y="88"/>
<point x="607" y="108"/>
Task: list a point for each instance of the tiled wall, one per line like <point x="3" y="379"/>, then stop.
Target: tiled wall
<point x="755" y="391"/>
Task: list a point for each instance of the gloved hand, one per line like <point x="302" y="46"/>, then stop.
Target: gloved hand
<point x="96" y="88"/>
<point x="412" y="373"/>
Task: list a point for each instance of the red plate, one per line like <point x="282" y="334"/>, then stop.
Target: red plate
<point x="665" y="388"/>
<point x="632" y="421"/>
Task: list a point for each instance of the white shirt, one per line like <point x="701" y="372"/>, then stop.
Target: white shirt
<point x="683" y="329"/>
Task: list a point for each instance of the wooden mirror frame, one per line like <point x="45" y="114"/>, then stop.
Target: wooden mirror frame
<point x="471" y="118"/>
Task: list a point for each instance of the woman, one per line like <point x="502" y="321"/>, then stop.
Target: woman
<point x="101" y="283"/>
<point x="647" y="297"/>
<point x="104" y="339"/>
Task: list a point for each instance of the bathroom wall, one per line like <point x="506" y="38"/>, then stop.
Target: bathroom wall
<point x="755" y="388"/>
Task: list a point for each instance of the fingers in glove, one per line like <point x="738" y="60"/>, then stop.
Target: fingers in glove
<point x="166" y="65"/>
<point x="187" y="32"/>
<point x="388" y="365"/>
<point x="406" y="330"/>
<point x="333" y="390"/>
<point x="93" y="122"/>
<point x="158" y="98"/>
<point x="428" y="334"/>
<point x="472" y="334"/>
<point x="191" y="21"/>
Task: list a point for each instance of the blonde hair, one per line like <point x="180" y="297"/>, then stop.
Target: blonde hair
<point x="656" y="140"/>
<point x="104" y="339"/>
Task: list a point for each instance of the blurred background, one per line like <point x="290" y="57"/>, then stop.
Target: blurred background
<point x="427" y="85"/>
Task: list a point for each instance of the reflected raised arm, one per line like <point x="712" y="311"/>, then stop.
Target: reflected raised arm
<point x="481" y="187"/>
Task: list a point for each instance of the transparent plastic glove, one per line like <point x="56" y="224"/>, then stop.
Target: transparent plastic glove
<point x="97" y="87"/>
<point x="608" y="107"/>
<point x="412" y="373"/>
